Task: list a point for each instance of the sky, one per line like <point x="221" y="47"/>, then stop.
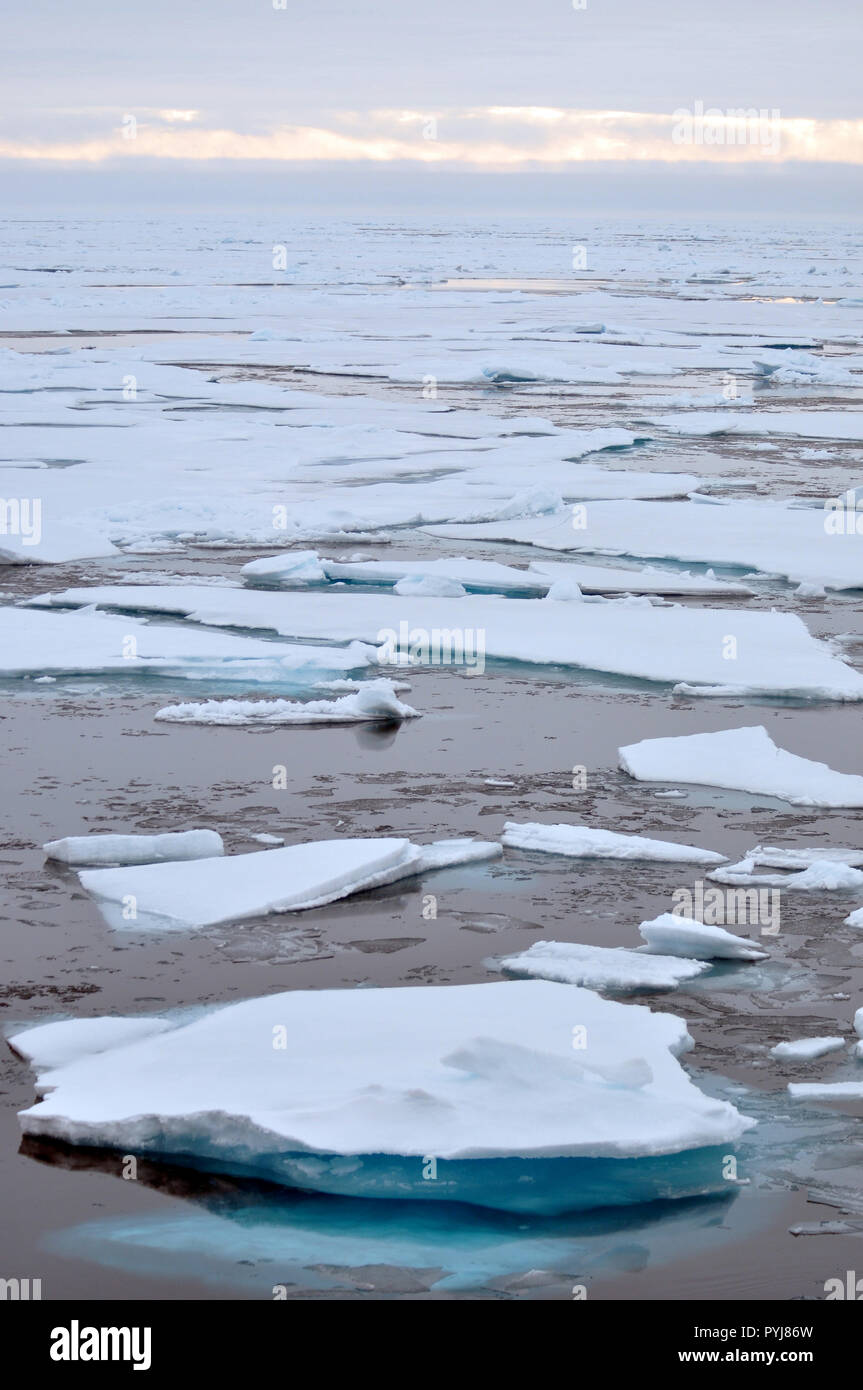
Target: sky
<point x="462" y="106"/>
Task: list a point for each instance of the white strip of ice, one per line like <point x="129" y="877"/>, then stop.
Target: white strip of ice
<point x="806" y="1049"/>
<point x="487" y="576"/>
<point x="584" y="842"/>
<point x="776" y="654"/>
<point x="790" y="857"/>
<point x="601" y="967"/>
<point x="819" y="876"/>
<point x="282" y="880"/>
<point x="670" y="935"/>
<point x="375" y="699"/>
<point x="458" y="1071"/>
<point x="770" y="536"/>
<point x="826" y="1090"/>
<point x="136" y="849"/>
<point x="92" y="643"/>
<point x="743" y="760"/>
<point x="51" y="543"/>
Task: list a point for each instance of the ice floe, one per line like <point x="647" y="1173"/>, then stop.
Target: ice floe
<point x="349" y="1091"/>
<point x="744" y="759"/>
<point x="775" y="653"/>
<point x="670" y="935"/>
<point x="601" y="967"/>
<point x="239" y="886"/>
<point x="585" y="842"/>
<point x="92" y="643"/>
<point x="770" y="536"/>
<point x="806" y="1049"/>
<point x="375" y="700"/>
<point x="135" y="849"/>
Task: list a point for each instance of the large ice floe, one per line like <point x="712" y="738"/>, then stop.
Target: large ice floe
<point x="239" y="886"/>
<point x="91" y="643"/>
<point x="773" y="537"/>
<point x="352" y="1091"/>
<point x="743" y="760"/>
<point x="375" y="700"/>
<point x="585" y="842"/>
<point x="775" y="652"/>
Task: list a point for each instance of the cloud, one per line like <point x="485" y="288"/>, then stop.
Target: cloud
<point x="488" y="137"/>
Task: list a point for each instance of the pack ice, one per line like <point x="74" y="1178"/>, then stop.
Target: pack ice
<point x="776" y="654"/>
<point x="601" y="967"/>
<point x="351" y="1091"/>
<point x="238" y="886"/>
<point x="375" y="700"/>
<point x="741" y="760"/>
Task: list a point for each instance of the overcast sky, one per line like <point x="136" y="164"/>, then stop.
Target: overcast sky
<point x="458" y="104"/>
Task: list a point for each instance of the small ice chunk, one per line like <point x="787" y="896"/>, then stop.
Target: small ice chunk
<point x="429" y="586"/>
<point x="683" y="936"/>
<point x="374" y="700"/>
<point x="806" y="1049"/>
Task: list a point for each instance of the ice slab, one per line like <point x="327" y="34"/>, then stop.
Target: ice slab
<point x="333" y="1090"/>
<point x="601" y="967"/>
<point x="135" y="849"/>
<point x="584" y="842"/>
<point x="776" y="654"/>
<point x="204" y="893"/>
<point x="822" y="875"/>
<point x="769" y="536"/>
<point x="743" y="760"/>
<point x="92" y="643"/>
<point x="53" y="543"/>
<point x="486" y="576"/>
<point x="806" y="1049"/>
<point x="375" y="700"/>
<point x="671" y="935"/>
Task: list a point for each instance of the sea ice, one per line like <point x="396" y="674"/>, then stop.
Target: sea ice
<point x="375" y="700"/>
<point x="585" y="842"/>
<point x="135" y="849"/>
<point x="776" y="654"/>
<point x="601" y="967"/>
<point x="282" y="880"/>
<point x="349" y="1091"/>
<point x="671" y="935"/>
<point x="806" y="1049"/>
<point x="744" y="759"/>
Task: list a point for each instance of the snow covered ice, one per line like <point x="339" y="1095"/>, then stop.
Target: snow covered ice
<point x="585" y="842"/>
<point x="375" y="700"/>
<point x="744" y="759"/>
<point x="293" y="879"/>
<point x="305" y="1088"/>
<point x="135" y="849"/>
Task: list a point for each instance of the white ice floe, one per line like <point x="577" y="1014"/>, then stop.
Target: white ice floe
<point x="57" y="1044"/>
<point x="281" y="880"/>
<point x="743" y="760"/>
<point x="92" y="643"/>
<point x="776" y="654"/>
<point x="375" y="700"/>
<point x="794" y="857"/>
<point x="819" y="876"/>
<point x="430" y="586"/>
<point x="806" y="1049"/>
<point x="135" y="849"/>
<point x="670" y="935"/>
<point x="52" y="543"/>
<point x="489" y="576"/>
<point x="826" y="1090"/>
<point x="334" y="1089"/>
<point x="855" y="919"/>
<point x="601" y="967"/>
<point x="585" y="842"/>
<point x="773" y="537"/>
